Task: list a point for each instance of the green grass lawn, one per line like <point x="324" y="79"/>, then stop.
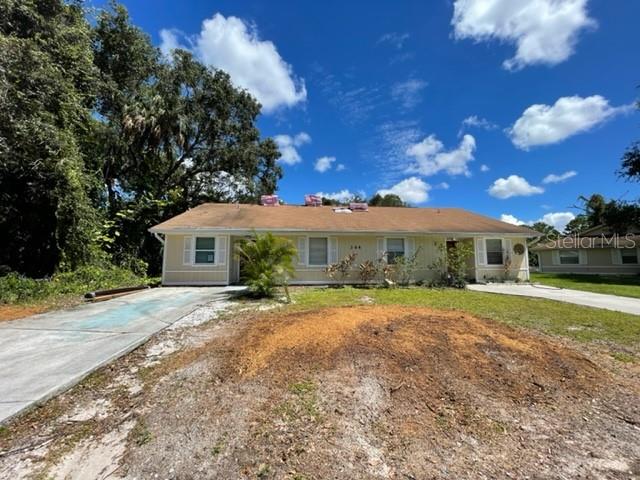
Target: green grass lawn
<point x="580" y="323"/>
<point x="626" y="286"/>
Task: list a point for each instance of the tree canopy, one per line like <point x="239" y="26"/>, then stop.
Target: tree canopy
<point x="388" y="200"/>
<point x="101" y="136"/>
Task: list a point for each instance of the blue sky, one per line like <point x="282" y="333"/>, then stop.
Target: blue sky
<point x="546" y="87"/>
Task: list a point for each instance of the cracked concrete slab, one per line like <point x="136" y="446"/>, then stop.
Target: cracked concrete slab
<point x="46" y="354"/>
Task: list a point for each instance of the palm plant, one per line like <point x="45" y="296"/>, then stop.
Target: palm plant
<point x="267" y="262"/>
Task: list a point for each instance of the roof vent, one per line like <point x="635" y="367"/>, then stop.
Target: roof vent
<point x="342" y="210"/>
<point x="269" y="200"/>
<point x="313" y="200"/>
<point x="358" y="207"/>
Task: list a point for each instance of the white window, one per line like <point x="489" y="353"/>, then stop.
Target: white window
<point x="629" y="256"/>
<point x="494" y="251"/>
<point x="205" y="250"/>
<point x="318" y="251"/>
<point x="569" y="257"/>
<point x="395" y="249"/>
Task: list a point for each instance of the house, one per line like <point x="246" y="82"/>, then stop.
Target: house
<point x="198" y="244"/>
<point x="594" y="251"/>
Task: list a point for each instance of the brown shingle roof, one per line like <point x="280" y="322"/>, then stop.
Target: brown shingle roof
<point x="324" y="219"/>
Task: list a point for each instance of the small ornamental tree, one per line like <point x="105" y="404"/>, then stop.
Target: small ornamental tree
<point x="405" y="267"/>
<point x="451" y="265"/>
<point x="267" y="262"/>
<point x="368" y="270"/>
<point x="340" y="270"/>
<point x="508" y="262"/>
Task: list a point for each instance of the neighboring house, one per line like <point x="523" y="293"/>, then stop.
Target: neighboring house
<point x="594" y="251"/>
<point x="198" y="244"/>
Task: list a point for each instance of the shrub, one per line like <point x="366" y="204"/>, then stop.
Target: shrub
<point x="451" y="266"/>
<point x="341" y="269"/>
<point x="15" y="288"/>
<point x="267" y="263"/>
<point x="401" y="271"/>
<point x="405" y="267"/>
<point x="368" y="270"/>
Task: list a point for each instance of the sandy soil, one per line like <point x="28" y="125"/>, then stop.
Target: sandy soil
<point x="357" y="392"/>
<point x="11" y="312"/>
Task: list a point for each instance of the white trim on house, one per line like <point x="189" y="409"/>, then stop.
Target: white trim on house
<point x="349" y="233"/>
<point x="220" y="246"/>
<point x="164" y="259"/>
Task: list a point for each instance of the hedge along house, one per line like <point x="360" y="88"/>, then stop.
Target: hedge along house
<point x="594" y="251"/>
<point x="199" y="244"/>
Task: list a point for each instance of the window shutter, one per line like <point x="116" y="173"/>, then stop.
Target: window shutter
<point x="302" y="251"/>
<point x="582" y="253"/>
<point x="409" y="246"/>
<point x="616" y="256"/>
<point x="187" y="258"/>
<point x="481" y="253"/>
<point x="221" y="250"/>
<point x="380" y="251"/>
<point x="555" y="257"/>
<point x="333" y="250"/>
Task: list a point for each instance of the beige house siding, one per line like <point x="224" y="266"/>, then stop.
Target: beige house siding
<point x="366" y="248"/>
<point x="519" y="269"/>
<point x="595" y="261"/>
<point x="176" y="271"/>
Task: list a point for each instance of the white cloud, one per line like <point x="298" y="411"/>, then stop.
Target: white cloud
<point x="544" y="31"/>
<point x="394" y="38"/>
<point x="408" y="93"/>
<point x="484" y="168"/>
<point x="288" y="147"/>
<point x="431" y="158"/>
<point x="324" y="163"/>
<point x="546" y="124"/>
<point x="478" y="122"/>
<point x="410" y="190"/>
<point x="558" y="220"/>
<point x="169" y="41"/>
<point x="511" y="219"/>
<point x="235" y="47"/>
<point x="553" y="178"/>
<point x="443" y="186"/>
<point x="340" y="167"/>
<point x="341" y="196"/>
<point x="513" y="186"/>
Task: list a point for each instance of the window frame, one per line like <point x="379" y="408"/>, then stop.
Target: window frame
<point x="196" y="250"/>
<point x="634" y="251"/>
<point x="577" y="256"/>
<point x="486" y="252"/>
<point x="326" y="239"/>
<point x="395" y="253"/>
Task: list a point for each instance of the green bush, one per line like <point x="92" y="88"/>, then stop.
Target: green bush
<point x="15" y="288"/>
<point x="267" y="261"/>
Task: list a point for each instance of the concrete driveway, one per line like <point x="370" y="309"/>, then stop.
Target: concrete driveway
<point x="578" y="297"/>
<point x="46" y="354"/>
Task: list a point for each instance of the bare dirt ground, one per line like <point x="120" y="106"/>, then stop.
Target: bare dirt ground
<point x="11" y="312"/>
<point x="356" y="392"/>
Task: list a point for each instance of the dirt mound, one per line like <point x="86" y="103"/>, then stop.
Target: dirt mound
<point x="427" y="349"/>
<point x="386" y="392"/>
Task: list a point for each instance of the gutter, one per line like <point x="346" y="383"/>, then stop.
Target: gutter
<point x="237" y="231"/>
<point x="158" y="237"/>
